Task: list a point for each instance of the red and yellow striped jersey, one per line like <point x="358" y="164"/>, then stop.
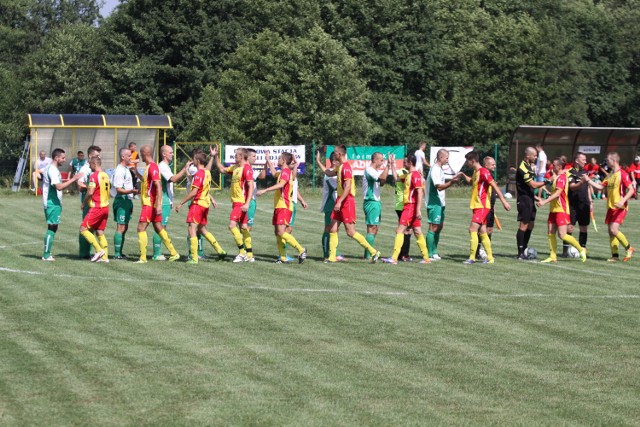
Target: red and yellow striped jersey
<point x="241" y="179"/>
<point x="282" y="197"/>
<point x="150" y="182"/>
<point x="412" y="184"/>
<point x="202" y="181"/>
<point x="345" y="173"/>
<point x="617" y="184"/>
<point x="561" y="204"/>
<point x="481" y="192"/>
<point x="99" y="180"/>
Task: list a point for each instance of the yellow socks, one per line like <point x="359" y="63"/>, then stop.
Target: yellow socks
<point x="212" y="240"/>
<point x="422" y="245"/>
<point x="486" y="243"/>
<point x="613" y="242"/>
<point x="623" y="240"/>
<point x="572" y="241"/>
<point x="193" y="248"/>
<point x="246" y="239"/>
<point x="237" y="237"/>
<point x="281" y="249"/>
<point x="553" y="246"/>
<point x="397" y="246"/>
<point x="473" y="245"/>
<point x="142" y="243"/>
<point x="363" y="242"/>
<point x="167" y="242"/>
<point x="288" y="238"/>
<point x="105" y="246"/>
<point x="333" y="246"/>
<point x="89" y="237"/>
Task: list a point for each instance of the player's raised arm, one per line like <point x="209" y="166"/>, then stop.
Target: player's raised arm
<point x="268" y="163"/>
<point x="385" y="173"/>
<point x="177" y="177"/>
<point x="216" y="159"/>
<point x="327" y="171"/>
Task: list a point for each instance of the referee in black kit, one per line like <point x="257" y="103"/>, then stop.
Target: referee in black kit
<point x="580" y="201"/>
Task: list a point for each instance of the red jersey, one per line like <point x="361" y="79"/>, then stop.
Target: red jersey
<point x="616" y="185"/>
<point x="592" y="169"/>
<point x="242" y="178"/>
<point x="411" y="187"/>
<point x="561" y="204"/>
<point x="481" y="193"/>
<point x="150" y="182"/>
<point x="345" y="173"/>
<point x="634" y="171"/>
<point x="202" y="181"/>
<point x="282" y="197"/>
<point x="100" y="181"/>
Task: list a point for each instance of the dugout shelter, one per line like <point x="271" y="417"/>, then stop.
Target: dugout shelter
<point x="565" y="140"/>
<point x="74" y="132"/>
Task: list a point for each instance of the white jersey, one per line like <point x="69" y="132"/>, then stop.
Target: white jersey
<point x="329" y="194"/>
<point x="167" y="174"/>
<point x="51" y="196"/>
<point x="420" y="161"/>
<point x="190" y="174"/>
<point x="541" y="163"/>
<point x="85" y="170"/>
<point x="436" y="177"/>
<point x="294" y="191"/>
<point x="121" y="179"/>
<point x="42" y="164"/>
<point x="256" y="174"/>
<point x="371" y="184"/>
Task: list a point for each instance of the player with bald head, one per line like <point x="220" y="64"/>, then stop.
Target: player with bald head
<point x="151" y="198"/>
<point x="525" y="185"/>
<point x="435" y="200"/>
<point x="167" y="179"/>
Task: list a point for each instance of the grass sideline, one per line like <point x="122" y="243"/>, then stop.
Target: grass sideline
<point x="315" y="344"/>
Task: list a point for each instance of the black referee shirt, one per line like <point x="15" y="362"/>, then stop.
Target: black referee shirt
<point x="524" y="175"/>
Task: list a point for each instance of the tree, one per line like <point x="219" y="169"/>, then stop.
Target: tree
<point x="282" y="90"/>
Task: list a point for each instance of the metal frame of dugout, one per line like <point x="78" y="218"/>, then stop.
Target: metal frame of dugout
<point x="74" y="132"/>
<point x="565" y="140"/>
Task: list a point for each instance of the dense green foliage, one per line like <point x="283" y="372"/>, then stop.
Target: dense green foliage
<point x="374" y="72"/>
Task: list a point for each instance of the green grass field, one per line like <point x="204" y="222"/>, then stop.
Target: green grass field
<point x="515" y="343"/>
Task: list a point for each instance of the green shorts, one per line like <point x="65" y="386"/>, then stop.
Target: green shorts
<point x="166" y="213"/>
<point x="251" y="213"/>
<point x="293" y="215"/>
<point x="372" y="212"/>
<point x="122" y="210"/>
<point x="435" y="214"/>
<point x="52" y="214"/>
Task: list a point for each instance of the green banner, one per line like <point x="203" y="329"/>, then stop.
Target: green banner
<point x="364" y="153"/>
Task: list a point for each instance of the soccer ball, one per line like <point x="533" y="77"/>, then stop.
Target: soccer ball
<point x="482" y="254"/>
<point x="508" y="196"/>
<point x="530" y="253"/>
<point x="573" y="252"/>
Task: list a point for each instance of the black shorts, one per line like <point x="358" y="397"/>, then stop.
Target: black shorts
<point x="580" y="214"/>
<point x="399" y="214"/>
<point x="491" y="218"/>
<point x="526" y="209"/>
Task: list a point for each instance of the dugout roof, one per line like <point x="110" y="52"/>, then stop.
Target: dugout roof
<point x="564" y="140"/>
<point x="74" y="132"/>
